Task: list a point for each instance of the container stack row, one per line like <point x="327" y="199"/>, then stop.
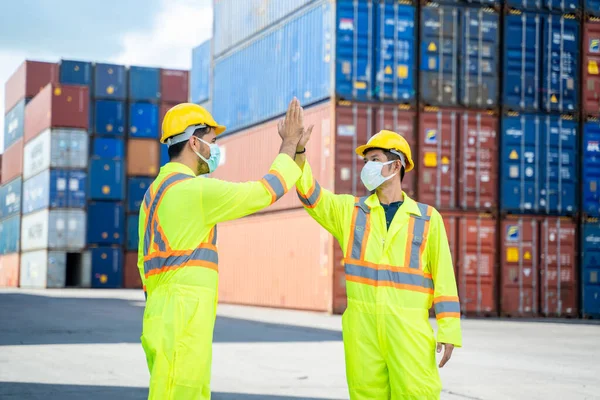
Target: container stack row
<point x="90" y="136"/>
<point x="492" y="98"/>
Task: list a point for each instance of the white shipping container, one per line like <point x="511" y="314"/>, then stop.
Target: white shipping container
<point x="43" y="269"/>
<point x="56" y="229"/>
<point x="86" y="269"/>
<point x="56" y="148"/>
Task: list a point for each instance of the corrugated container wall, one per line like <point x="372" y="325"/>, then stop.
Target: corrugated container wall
<point x="136" y="190"/>
<point x="12" y="161"/>
<point x="591" y="67"/>
<point x="10" y="198"/>
<point x="55" y="189"/>
<point x="10" y="235"/>
<point x="559" y="6"/>
<point x="110" y="82"/>
<point x="107" y="267"/>
<point x="143" y="120"/>
<point x="28" y="80"/>
<point x="257" y="82"/>
<point x="539" y="164"/>
<point x="142" y="157"/>
<point x="109" y="148"/>
<point x="106" y="223"/>
<point x="174" y="85"/>
<point x="108" y="178"/>
<point x="133" y="237"/>
<point x="109" y="118"/>
<point x="236" y="21"/>
<point x="590" y="268"/>
<point x="131" y="273"/>
<point x="201" y="73"/>
<point x="9" y="270"/>
<point x="56" y="148"/>
<point x="57" y="106"/>
<point x="53" y="229"/>
<point x="43" y="269"/>
<point x="591" y="168"/>
<point x="592" y="7"/>
<point x="14" y="124"/>
<point x="144" y="84"/>
<point x="75" y="72"/>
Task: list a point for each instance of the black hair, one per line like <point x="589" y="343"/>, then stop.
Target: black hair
<point x="176" y="149"/>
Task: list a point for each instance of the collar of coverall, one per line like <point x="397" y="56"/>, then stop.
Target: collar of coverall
<point x="175" y="167"/>
<point x="408" y="206"/>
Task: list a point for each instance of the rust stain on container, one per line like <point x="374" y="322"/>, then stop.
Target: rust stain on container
<point x="287" y="264"/>
<point x="394" y="119"/>
<point x="143" y="157"/>
<point x="9" y="270"/>
<point x="558" y="280"/>
<point x="591" y="67"/>
<point x="27" y="81"/>
<point x="131" y="273"/>
<point x="248" y="155"/>
<point x="57" y="106"/>
<point x="519" y="255"/>
<point x="477" y="157"/>
<point x="174" y="86"/>
<point x="476" y="264"/>
<point x="12" y="161"/>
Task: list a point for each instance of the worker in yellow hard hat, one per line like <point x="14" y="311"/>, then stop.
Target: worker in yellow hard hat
<point x="397" y="264"/>
<point x="178" y="257"/>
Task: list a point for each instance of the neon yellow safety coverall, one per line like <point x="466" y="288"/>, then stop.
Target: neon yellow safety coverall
<point x="392" y="278"/>
<point x="178" y="261"/>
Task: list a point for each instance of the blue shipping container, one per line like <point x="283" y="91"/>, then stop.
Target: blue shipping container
<point x="144" y="84"/>
<point x="107" y="267"/>
<point x="10" y="198"/>
<point x="395" y="51"/>
<point x="133" y="236"/>
<point x="590" y="268"/>
<point x="106" y="223"/>
<point x="591" y="168"/>
<point x="110" y="117"/>
<point x="55" y="189"/>
<point x="200" y="73"/>
<point x="164" y="154"/>
<point x="143" y="120"/>
<point x="440" y="45"/>
<point x="10" y="235"/>
<point x="14" y="122"/>
<point x="561" y="64"/>
<point x="561" y="6"/>
<point x="106" y="180"/>
<point x="592" y="7"/>
<point x="110" y="82"/>
<point x="75" y="72"/>
<point x="257" y="82"/>
<point x="539" y="164"/>
<point x="109" y="148"/>
<point x="137" y="188"/>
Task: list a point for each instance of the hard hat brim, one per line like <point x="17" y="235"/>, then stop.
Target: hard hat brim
<point x="219" y="129"/>
<point x="361" y="150"/>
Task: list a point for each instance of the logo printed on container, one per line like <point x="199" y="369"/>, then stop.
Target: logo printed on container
<point x="593" y="145"/>
<point x="346" y="24"/>
<point x="595" y="45"/>
<point x="430" y="136"/>
<point x="512" y="233"/>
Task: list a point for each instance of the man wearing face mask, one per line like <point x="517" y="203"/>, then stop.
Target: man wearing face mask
<point x="397" y="264"/>
<point x="177" y="255"/>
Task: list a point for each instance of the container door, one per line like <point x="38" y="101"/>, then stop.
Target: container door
<point x="591" y="66"/>
<point x="591" y="168"/>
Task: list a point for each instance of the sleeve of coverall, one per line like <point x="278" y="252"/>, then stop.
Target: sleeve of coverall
<point x="226" y="201"/>
<point x="445" y="297"/>
<point x="325" y="207"/>
<point x="140" y="262"/>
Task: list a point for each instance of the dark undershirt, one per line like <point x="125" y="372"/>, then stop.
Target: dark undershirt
<point x="390" y="211"/>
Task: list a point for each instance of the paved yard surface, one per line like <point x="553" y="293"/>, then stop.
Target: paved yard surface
<point x="84" y="344"/>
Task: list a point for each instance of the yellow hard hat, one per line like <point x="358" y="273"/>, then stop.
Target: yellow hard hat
<point x="389" y="140"/>
<point x="183" y="119"/>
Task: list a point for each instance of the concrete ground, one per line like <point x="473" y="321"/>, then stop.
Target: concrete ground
<point x="84" y="344"/>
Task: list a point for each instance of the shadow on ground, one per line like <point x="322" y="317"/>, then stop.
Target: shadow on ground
<point x="39" y="391"/>
<point x="36" y="319"/>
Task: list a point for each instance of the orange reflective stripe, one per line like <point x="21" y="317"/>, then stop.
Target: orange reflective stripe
<point x="363" y="249"/>
<point x="404" y="270"/>
<point x="192" y="263"/>
<point x="448" y="315"/>
<point x="445" y="298"/>
<point x="177" y="253"/>
<point x="372" y="282"/>
<point x="151" y="201"/>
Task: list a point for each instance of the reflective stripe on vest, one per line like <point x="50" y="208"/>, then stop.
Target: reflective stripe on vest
<point x="446" y="307"/>
<point x="417" y="231"/>
<point x="163" y="258"/>
<point x="275" y="184"/>
<point x="312" y="197"/>
<point x="360" y="271"/>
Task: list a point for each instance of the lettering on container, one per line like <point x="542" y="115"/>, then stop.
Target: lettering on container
<point x="346" y="24"/>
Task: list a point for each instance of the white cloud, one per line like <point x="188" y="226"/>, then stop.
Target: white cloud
<point x="178" y="27"/>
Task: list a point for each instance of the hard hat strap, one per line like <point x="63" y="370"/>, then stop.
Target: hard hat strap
<point x="401" y="155"/>
<point x="182" y="137"/>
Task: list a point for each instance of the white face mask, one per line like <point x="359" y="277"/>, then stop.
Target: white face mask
<point x="371" y="174"/>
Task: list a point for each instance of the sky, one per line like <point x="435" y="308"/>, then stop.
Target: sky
<point x="159" y="33"/>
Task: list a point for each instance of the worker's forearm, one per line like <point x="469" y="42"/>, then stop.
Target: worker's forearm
<point x="289" y="147"/>
<point x="300" y="159"/>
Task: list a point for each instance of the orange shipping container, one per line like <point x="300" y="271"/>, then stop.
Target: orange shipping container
<point x="9" y="270"/>
<point x="287" y="264"/>
<point x="28" y="80"/>
<point x="12" y="161"/>
<point x="143" y="157"/>
<point x="131" y="273"/>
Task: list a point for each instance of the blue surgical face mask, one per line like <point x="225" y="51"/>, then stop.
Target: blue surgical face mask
<point x="215" y="156"/>
<point x="371" y="174"/>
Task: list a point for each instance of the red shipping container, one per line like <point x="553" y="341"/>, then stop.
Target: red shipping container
<point x="57" y="106"/>
<point x="164" y="107"/>
<point x="9" y="270"/>
<point x="519" y="266"/>
<point x="558" y="279"/>
<point x="451" y="223"/>
<point x="12" y="161"/>
<point x="27" y="81"/>
<point x="591" y="67"/>
<point x="476" y="278"/>
<point x="458" y="159"/>
<point x="131" y="273"/>
<point x="174" y="86"/>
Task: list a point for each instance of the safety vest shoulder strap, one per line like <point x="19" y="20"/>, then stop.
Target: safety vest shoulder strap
<point x="361" y="225"/>
<point x="417" y="233"/>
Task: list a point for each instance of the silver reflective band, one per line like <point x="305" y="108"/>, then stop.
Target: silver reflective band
<point x="182" y="137"/>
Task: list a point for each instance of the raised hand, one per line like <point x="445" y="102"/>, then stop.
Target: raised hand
<point x="304" y="139"/>
<point x="292" y="127"/>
